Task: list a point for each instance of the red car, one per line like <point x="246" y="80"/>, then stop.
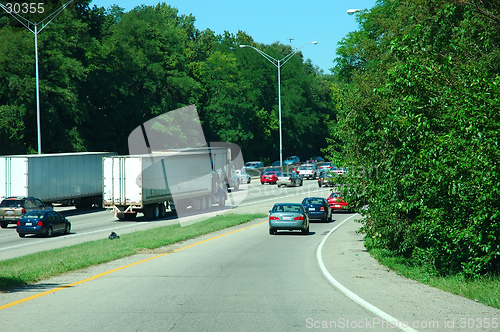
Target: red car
<point x="269" y="177"/>
<point x="336" y="202"/>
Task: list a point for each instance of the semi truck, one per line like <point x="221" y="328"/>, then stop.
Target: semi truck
<point x="184" y="180"/>
<point x="74" y="178"/>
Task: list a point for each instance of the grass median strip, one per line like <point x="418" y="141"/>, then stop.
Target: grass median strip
<point x="485" y="290"/>
<point x="42" y="265"/>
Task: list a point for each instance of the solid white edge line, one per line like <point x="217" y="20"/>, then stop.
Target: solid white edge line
<point x="370" y="307"/>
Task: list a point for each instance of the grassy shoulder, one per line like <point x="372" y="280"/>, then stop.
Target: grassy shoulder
<point x="42" y="265"/>
<point x="485" y="290"/>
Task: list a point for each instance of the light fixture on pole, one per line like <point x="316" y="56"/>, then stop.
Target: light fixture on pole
<point x="278" y="64"/>
<point x="33" y="27"/>
<point x="353" y="11"/>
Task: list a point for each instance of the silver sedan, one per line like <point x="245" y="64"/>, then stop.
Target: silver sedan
<point x="290" y="179"/>
<point x="288" y="216"/>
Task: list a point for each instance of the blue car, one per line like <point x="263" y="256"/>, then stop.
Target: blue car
<point x="317" y="208"/>
<point x="43" y="222"/>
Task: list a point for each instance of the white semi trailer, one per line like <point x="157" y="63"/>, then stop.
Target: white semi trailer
<point x="180" y="179"/>
<point x="58" y="177"/>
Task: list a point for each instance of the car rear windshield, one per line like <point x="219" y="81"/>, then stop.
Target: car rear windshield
<point x="313" y="201"/>
<point x="34" y="214"/>
<point x="287" y="175"/>
<point x="287" y="208"/>
<point x="13" y="203"/>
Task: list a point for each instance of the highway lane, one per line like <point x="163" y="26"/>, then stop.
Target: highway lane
<point x="241" y="279"/>
<point x="244" y="281"/>
<point x="95" y="224"/>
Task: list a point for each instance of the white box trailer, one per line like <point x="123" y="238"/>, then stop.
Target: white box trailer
<point x="149" y="184"/>
<point x="58" y="177"/>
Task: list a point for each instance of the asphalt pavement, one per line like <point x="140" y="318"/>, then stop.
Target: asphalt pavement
<point x="410" y="304"/>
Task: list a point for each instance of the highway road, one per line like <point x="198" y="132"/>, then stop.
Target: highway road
<point x="243" y="279"/>
<point x="95" y="224"/>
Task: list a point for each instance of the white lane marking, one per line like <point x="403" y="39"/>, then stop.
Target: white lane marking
<point x="391" y="320"/>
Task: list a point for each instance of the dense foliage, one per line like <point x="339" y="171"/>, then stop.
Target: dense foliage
<point x="103" y="72"/>
<point x="419" y="126"/>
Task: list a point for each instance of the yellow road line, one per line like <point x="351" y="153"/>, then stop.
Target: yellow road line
<point x="29" y="298"/>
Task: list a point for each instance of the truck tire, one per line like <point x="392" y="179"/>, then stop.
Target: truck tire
<point x="152" y="212"/>
<point x="162" y="210"/>
<point x="126" y="216"/>
<point x="4" y="224"/>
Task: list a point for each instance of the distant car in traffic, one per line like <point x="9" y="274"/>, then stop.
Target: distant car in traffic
<point x="310" y="162"/>
<point x="336" y="202"/>
<point x="318" y="159"/>
<point x="308" y="171"/>
<point x="325" y="179"/>
<point x="269" y="169"/>
<point x="290" y="179"/>
<point x="43" y="222"/>
<point x="326" y="166"/>
<point x="317" y="208"/>
<point x="13" y="208"/>
<point x="338" y="171"/>
<point x="288" y="216"/>
<point x="270" y="177"/>
<point x="276" y="164"/>
<point x="292" y="160"/>
<point x="243" y="176"/>
<point x="253" y="164"/>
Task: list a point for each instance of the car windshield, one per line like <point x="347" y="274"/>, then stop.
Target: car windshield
<point x="287" y="208"/>
<point x="335" y="195"/>
<point x="305" y="167"/>
<point x="13" y="203"/>
<point x="34" y="214"/>
<point x="312" y="201"/>
<point x="269" y="173"/>
<point x="287" y="175"/>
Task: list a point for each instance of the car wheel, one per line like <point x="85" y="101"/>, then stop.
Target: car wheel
<point x="49" y="232"/>
<point x="22" y="235"/>
<point x="67" y="229"/>
<point x="306" y="230"/>
<point x="272" y="231"/>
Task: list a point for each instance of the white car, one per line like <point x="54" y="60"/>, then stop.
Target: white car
<point x="308" y="171"/>
<point x="243" y="176"/>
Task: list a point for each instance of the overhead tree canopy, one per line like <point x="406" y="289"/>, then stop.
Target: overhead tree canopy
<point x="103" y="72"/>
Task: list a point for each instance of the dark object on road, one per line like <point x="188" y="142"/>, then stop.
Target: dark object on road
<point x="113" y="236"/>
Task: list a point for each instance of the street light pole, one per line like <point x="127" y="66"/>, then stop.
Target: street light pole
<point x="278" y="64"/>
<point x="27" y="24"/>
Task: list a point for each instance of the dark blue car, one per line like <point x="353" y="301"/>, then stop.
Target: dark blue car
<point x="43" y="222"/>
<point x="317" y="208"/>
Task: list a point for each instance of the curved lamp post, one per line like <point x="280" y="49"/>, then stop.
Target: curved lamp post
<point x="278" y="64"/>
<point x="33" y="27"/>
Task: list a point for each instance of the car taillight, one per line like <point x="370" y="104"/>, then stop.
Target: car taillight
<point x="274" y="218"/>
<point x="18" y="223"/>
<point x="23" y="211"/>
<point x="40" y="223"/>
<point x="299" y="218"/>
<point x="322" y="208"/>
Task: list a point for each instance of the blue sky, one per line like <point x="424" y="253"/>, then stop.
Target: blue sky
<point x="325" y="21"/>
